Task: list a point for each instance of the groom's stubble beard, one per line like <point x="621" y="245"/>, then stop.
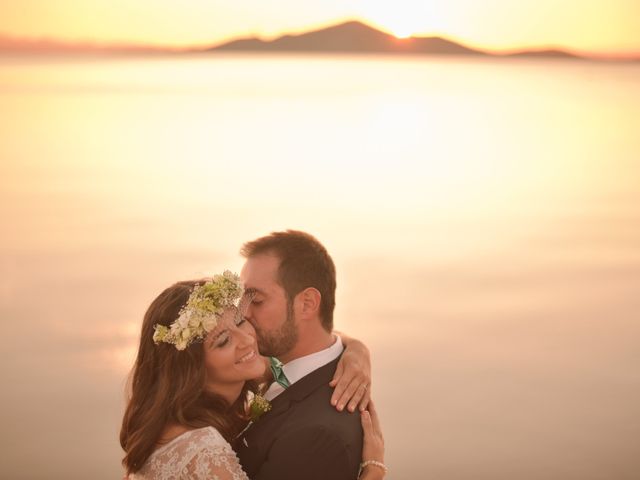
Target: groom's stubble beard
<point x="280" y="341"/>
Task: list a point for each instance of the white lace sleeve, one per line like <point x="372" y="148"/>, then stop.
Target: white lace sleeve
<point x="201" y="454"/>
<point x="216" y="463"/>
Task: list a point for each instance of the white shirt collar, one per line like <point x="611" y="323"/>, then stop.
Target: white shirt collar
<point x="303" y="366"/>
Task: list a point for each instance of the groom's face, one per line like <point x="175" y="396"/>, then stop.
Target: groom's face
<point x="269" y="311"/>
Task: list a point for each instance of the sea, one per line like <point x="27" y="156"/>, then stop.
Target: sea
<point x="483" y="215"/>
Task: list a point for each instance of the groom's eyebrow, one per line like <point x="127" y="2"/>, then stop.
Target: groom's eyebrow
<point x="252" y="291"/>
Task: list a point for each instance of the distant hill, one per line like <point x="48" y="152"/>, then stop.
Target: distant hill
<point x="549" y="53"/>
<point x="350" y="37"/>
<point x="358" y="37"/>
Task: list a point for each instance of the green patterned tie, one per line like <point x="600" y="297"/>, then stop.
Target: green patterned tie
<point x="278" y="373"/>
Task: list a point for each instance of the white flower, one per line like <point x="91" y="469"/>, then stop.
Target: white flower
<point x="174" y="329"/>
<point x="209" y="324"/>
<point x="194" y="321"/>
<point x="185" y="334"/>
<point x="199" y="316"/>
<point x="184" y="319"/>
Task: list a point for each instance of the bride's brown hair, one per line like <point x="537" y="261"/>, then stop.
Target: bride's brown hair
<point x="168" y="386"/>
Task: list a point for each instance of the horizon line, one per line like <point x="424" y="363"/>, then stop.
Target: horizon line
<point x="51" y="44"/>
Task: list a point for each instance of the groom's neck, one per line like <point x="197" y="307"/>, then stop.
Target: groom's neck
<point x="310" y="341"/>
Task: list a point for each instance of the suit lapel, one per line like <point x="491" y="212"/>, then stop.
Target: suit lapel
<point x="254" y="438"/>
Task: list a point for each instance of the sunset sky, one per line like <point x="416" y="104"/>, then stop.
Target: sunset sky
<point x="606" y="26"/>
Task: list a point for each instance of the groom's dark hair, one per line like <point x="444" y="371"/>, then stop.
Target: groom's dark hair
<point x="304" y="263"/>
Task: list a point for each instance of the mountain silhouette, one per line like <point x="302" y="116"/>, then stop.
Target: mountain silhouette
<point x="550" y="53"/>
<point x="350" y="37"/>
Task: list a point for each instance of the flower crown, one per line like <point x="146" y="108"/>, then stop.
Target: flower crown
<point x="199" y="316"/>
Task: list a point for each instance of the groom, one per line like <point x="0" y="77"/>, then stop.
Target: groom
<point x="292" y="280"/>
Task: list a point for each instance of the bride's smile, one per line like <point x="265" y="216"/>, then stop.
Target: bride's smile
<point x="231" y="354"/>
<point x="247" y="357"/>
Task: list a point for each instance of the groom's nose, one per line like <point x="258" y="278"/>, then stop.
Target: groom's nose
<point x="248" y="312"/>
<point x="245" y="338"/>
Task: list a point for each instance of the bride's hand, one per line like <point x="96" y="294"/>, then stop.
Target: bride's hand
<point x="352" y="379"/>
<point x="373" y="445"/>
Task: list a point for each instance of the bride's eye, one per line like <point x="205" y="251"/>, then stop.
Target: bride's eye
<point x="240" y="321"/>
<point x="222" y="341"/>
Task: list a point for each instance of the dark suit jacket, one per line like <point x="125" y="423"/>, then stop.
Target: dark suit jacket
<point x="303" y="436"/>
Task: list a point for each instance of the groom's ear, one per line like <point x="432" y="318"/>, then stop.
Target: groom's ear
<point x="310" y="302"/>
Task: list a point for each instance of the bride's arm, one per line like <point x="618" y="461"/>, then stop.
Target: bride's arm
<point x="214" y="462"/>
<point x="352" y="380"/>
<point x="373" y="467"/>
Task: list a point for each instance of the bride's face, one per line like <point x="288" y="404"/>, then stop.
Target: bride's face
<point x="231" y="352"/>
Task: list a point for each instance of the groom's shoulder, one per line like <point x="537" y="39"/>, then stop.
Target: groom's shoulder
<point x="304" y="434"/>
<point x="316" y="410"/>
<point x="310" y="408"/>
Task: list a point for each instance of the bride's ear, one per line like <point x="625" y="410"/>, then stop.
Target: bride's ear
<point x="309" y="302"/>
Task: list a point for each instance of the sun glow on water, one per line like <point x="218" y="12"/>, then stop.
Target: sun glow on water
<point x="483" y="233"/>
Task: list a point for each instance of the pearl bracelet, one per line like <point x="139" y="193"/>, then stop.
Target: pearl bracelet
<point x="374" y="463"/>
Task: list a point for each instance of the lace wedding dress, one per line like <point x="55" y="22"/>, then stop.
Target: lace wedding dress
<point x="197" y="454"/>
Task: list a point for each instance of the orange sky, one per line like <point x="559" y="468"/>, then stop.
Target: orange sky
<point x="601" y="26"/>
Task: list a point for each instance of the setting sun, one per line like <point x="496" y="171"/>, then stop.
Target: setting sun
<point x="603" y="27"/>
<point x="402" y="33"/>
<point x="403" y="22"/>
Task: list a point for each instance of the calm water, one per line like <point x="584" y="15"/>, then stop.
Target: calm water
<point x="484" y="218"/>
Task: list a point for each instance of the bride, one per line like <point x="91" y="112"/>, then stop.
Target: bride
<point x="196" y="385"/>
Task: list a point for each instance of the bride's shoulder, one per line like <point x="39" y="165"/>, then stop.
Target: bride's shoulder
<point x="176" y="435"/>
<point x="190" y="443"/>
<point x="207" y="435"/>
<point x="172" y="432"/>
<point x="190" y="449"/>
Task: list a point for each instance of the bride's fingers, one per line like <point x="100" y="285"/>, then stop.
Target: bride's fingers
<point x="340" y="382"/>
<point x="351" y="382"/>
<point x="375" y="419"/>
<point x="373" y="442"/>
<point x="349" y="393"/>
<point x="336" y="378"/>
<point x="359" y="395"/>
<point x="364" y="402"/>
<point x="367" y="424"/>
